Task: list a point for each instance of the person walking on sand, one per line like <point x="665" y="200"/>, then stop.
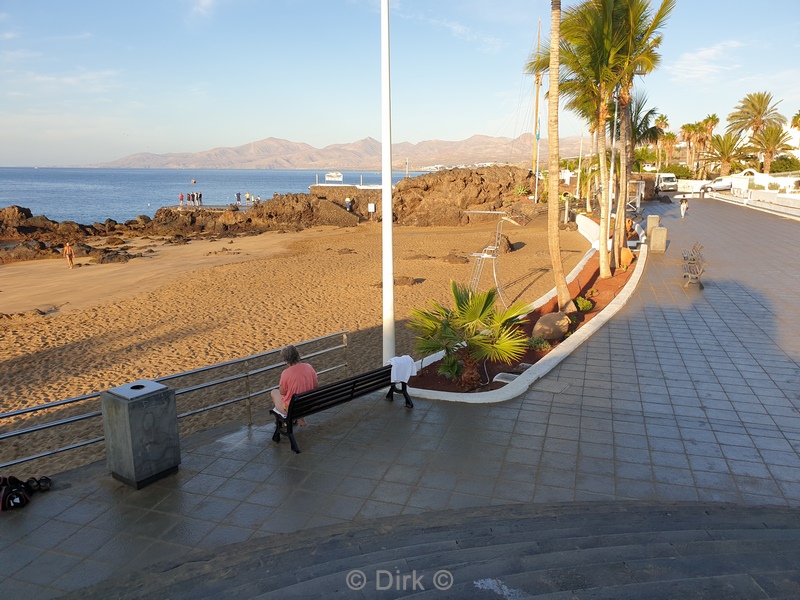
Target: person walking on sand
<point x="69" y="253"/>
<point x="684" y="206"/>
<point x="297" y="378"/>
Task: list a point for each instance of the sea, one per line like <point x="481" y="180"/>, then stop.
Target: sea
<point x="87" y="196"/>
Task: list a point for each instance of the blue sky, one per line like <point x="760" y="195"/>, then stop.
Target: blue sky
<point x="95" y="80"/>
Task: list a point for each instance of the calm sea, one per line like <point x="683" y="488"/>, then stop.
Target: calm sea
<point x="90" y="195"/>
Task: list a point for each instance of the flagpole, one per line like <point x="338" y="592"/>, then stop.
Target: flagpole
<point x="386" y="190"/>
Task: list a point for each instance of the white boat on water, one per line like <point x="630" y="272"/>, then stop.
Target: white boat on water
<point x="334" y="177"/>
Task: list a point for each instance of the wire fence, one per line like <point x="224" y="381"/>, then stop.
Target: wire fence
<point x="233" y="388"/>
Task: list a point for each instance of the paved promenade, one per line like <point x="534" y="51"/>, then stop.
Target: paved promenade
<point x="687" y="395"/>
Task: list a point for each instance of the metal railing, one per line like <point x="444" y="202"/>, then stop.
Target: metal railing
<point x="264" y="372"/>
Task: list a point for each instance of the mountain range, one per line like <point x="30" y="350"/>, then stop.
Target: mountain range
<point x="276" y="153"/>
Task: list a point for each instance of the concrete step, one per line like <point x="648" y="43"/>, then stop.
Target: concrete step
<point x="575" y="550"/>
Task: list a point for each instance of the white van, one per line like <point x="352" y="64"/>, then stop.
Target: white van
<point x="667" y="182"/>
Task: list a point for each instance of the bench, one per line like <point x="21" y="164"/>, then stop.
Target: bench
<point x="693" y="270"/>
<point x="334" y="394"/>
<point x="692" y="254"/>
<point x="641" y="237"/>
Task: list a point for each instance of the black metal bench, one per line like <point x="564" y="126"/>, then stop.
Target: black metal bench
<point x="691" y="254"/>
<point x="692" y="271"/>
<point x="334" y="394"/>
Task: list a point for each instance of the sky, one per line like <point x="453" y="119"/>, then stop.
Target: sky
<point x="90" y="81"/>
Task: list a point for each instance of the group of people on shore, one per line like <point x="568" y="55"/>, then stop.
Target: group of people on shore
<point x="192" y="199"/>
<point x="248" y="199"/>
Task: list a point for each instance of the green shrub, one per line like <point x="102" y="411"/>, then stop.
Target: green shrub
<point x="774" y="186"/>
<point x="583" y="304"/>
<point x="539" y="344"/>
<point x="521" y="190"/>
<point x="680" y="171"/>
<point x="755" y="186"/>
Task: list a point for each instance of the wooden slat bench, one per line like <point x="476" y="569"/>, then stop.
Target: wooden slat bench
<point x="334" y="394"/>
<point x="691" y="254"/>
<point x="692" y="271"/>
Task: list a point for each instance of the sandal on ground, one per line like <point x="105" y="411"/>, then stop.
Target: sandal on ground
<point x="44" y="483"/>
<point x="33" y="484"/>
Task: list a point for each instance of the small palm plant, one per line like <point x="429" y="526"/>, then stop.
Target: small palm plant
<point x="472" y="331"/>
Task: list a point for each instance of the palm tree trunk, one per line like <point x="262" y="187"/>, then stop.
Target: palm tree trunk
<point x="565" y="303"/>
<point x="605" y="267"/>
<point x="620" y="237"/>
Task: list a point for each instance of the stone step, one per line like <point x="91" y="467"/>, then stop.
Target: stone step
<point x="576" y="550"/>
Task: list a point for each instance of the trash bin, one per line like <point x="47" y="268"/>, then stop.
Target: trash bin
<point x="140" y="420"/>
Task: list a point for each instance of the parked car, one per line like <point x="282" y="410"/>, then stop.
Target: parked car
<point x="720" y="184"/>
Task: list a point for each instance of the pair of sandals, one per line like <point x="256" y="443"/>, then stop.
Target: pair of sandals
<point x="39" y="485"/>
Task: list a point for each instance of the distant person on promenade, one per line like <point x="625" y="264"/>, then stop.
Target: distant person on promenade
<point x="297" y="378"/>
<point x="69" y="253"/>
<point x="684" y="206"/>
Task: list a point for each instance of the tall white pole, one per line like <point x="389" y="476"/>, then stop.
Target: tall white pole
<point x="386" y="189"/>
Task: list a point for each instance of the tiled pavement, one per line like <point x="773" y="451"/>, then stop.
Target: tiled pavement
<point x="685" y="395"/>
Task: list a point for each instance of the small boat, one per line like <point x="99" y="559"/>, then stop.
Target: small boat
<point x="334" y="176"/>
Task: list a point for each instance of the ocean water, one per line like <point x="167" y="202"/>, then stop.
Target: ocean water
<point x="94" y="195"/>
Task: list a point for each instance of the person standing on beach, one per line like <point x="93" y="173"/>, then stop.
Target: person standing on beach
<point x="238" y="198"/>
<point x="180" y="199"/>
<point x="69" y="253"/>
<point x="297" y="378"/>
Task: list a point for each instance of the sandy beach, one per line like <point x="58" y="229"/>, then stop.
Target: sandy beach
<point x="182" y="307"/>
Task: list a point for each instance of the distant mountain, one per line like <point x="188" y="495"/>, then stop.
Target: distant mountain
<point x="275" y="153"/>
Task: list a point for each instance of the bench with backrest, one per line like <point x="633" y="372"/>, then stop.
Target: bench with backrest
<point x="334" y="394"/>
<point x="641" y="237"/>
<point x="689" y="255"/>
<point x="692" y="271"/>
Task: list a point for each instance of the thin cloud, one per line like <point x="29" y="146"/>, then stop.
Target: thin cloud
<point x="458" y="30"/>
<point x="203" y="7"/>
<point x="705" y="63"/>
<point x="8" y="35"/>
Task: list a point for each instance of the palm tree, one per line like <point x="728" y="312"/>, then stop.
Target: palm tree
<point x="771" y="141"/>
<point x="705" y="132"/>
<point x="472" y="331"/>
<point x="565" y="303"/>
<point x="753" y="113"/>
<point x="662" y="123"/>
<point x="725" y="150"/>
<point x="796" y="120"/>
<point x="589" y="53"/>
<point x="669" y="140"/>
<point x="639" y="29"/>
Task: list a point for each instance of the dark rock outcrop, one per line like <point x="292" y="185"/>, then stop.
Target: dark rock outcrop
<point x="444" y="198"/>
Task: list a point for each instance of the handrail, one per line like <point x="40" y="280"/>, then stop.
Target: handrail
<point x="224" y="380"/>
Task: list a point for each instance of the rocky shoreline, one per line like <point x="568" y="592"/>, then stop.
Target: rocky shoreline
<point x="445" y="198"/>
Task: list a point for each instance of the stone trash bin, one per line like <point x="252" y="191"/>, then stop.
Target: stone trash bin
<point x="140" y="420"/>
<point x="657" y="240"/>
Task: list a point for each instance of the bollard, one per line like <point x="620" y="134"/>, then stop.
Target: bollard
<point x="657" y="240"/>
<point x="652" y="221"/>
<point x="140" y="421"/>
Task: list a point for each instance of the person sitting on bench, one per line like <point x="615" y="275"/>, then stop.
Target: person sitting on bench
<point x="296" y="378"/>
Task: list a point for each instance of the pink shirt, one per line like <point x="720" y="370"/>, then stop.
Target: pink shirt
<point x="297" y="379"/>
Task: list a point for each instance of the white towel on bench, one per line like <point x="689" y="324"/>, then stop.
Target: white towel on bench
<point x="403" y="367"/>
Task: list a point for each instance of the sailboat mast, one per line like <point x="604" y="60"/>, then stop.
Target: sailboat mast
<point x="537" y="78"/>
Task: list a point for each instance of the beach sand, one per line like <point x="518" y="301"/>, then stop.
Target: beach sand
<point x="183" y="307"/>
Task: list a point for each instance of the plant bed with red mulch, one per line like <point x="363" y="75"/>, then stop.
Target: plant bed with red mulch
<point x="588" y="284"/>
